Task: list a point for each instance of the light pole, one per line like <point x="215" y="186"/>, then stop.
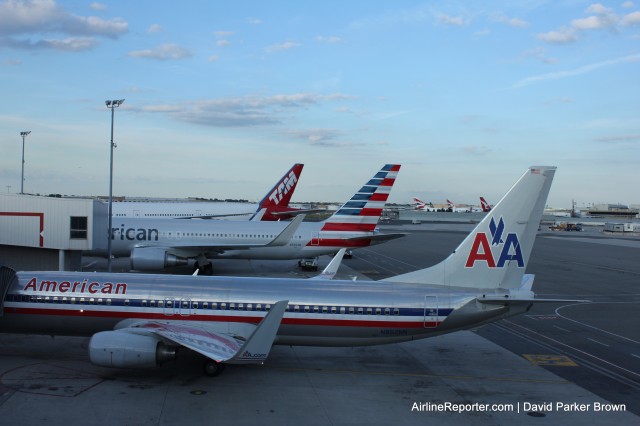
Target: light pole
<point x="112" y="105"/>
<point x="24" y="135"/>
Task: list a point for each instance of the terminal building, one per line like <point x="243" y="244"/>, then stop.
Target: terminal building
<point x="49" y="233"/>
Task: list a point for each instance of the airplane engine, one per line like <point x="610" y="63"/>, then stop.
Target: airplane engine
<point x="123" y="349"/>
<point x="154" y="258"/>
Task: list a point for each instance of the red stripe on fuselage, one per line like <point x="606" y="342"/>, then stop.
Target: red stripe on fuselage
<point x="217" y="318"/>
<point x="349" y="227"/>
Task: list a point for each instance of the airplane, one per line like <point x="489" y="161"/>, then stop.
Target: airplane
<point x="486" y="207"/>
<point x="138" y="320"/>
<point x="275" y="203"/>
<point x="421" y="205"/>
<point x="155" y="244"/>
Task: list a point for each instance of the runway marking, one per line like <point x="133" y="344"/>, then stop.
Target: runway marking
<point x="637" y="356"/>
<point x="573" y="348"/>
<point x="424" y="375"/>
<point x="555" y="360"/>
<point x="591" y="326"/>
<point x="563" y="329"/>
<point x="595" y="341"/>
<point x="607" y="268"/>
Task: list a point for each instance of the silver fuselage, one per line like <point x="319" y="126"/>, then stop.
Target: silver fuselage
<point x="308" y="241"/>
<point x="320" y="313"/>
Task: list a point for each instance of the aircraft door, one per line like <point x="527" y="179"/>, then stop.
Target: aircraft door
<point x="430" y="311"/>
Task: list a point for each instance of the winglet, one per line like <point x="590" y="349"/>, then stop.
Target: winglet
<point x="257" y="347"/>
<point x="332" y="268"/>
<point x="285" y="236"/>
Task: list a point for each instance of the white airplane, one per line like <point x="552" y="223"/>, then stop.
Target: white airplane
<point x="155" y="244"/>
<point x="138" y="320"/>
<point x="274" y="205"/>
<point x="418" y="204"/>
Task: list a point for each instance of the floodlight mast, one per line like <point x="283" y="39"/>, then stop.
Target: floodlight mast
<point x="24" y="135"/>
<point x="111" y="104"/>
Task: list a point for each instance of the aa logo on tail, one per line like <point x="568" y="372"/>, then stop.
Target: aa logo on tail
<point x="483" y="251"/>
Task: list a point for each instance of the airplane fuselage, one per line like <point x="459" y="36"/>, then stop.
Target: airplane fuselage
<point x="327" y="313"/>
<point x="308" y="241"/>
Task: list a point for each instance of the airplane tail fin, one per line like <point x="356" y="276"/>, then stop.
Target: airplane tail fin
<point x="278" y="198"/>
<point x="496" y="252"/>
<point x="486" y="207"/>
<point x="362" y="212"/>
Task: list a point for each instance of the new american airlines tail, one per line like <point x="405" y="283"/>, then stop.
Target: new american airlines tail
<point x="139" y="320"/>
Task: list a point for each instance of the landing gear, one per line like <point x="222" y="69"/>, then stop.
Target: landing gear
<point x="205" y="269"/>
<point x="213" y="368"/>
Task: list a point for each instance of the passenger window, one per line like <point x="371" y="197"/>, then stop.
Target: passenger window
<point x="267" y="307"/>
<point x="360" y="311"/>
<point x="241" y="306"/>
<point x="343" y="310"/>
<point x="315" y="309"/>
<point x="396" y="311"/>
<point x="296" y="308"/>
<point x="334" y="309"/>
<point x="306" y="308"/>
<point x="194" y="305"/>
<point x="369" y="311"/>
<point x="223" y="306"/>
<point x="258" y="306"/>
<point x="160" y="304"/>
<point x="324" y="310"/>
<point x="126" y="302"/>
<point x="152" y="303"/>
<point x="232" y="306"/>
<point x="249" y="307"/>
<point x="378" y="311"/>
<point x="352" y="310"/>
<point x="82" y="301"/>
<point x="144" y="303"/>
<point x="387" y="311"/>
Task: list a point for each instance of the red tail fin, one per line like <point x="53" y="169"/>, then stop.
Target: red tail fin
<point x="278" y="198"/>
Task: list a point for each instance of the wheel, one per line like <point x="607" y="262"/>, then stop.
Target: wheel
<point x="207" y="269"/>
<point x="213" y="368"/>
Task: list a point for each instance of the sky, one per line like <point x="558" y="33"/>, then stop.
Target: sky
<point x="221" y="98"/>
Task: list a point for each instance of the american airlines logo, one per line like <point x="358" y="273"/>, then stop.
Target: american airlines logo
<point x="283" y="188"/>
<point x="481" y="249"/>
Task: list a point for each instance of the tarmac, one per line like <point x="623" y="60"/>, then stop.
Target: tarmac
<point x="507" y="373"/>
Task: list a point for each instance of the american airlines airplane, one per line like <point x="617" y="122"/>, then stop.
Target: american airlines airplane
<point x="274" y="205"/>
<point x="138" y="320"/>
<point x="155" y="244"/>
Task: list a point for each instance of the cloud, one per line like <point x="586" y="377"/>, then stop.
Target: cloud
<point x="539" y="53"/>
<point x="457" y="21"/>
<point x="245" y="111"/>
<point x="98" y="6"/>
<point x="329" y="39"/>
<point x="155" y="28"/>
<point x="578" y="71"/>
<point x="223" y="43"/>
<point x="562" y="36"/>
<point x="627" y="4"/>
<point x="631" y="19"/>
<point x="316" y="137"/>
<point x="23" y="23"/>
<point x="70" y="44"/>
<point x="166" y="52"/>
<point x="213" y="58"/>
<point x="282" y="47"/>
<point x="223" y="34"/>
<point x="254" y="21"/>
<point x="512" y="22"/>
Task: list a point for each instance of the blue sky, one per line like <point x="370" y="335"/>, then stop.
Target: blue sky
<point x="221" y="99"/>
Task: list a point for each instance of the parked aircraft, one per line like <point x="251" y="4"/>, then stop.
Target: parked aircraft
<point x="138" y="320"/>
<point x="275" y="204"/>
<point x="418" y="204"/>
<point x="154" y="244"/>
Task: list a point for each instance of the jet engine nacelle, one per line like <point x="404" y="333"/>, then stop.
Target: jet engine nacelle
<point x="154" y="258"/>
<point x="124" y="349"/>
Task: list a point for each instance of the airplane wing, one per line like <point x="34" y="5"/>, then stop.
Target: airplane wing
<point x="221" y="347"/>
<point x="332" y="268"/>
<point x="522" y="295"/>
